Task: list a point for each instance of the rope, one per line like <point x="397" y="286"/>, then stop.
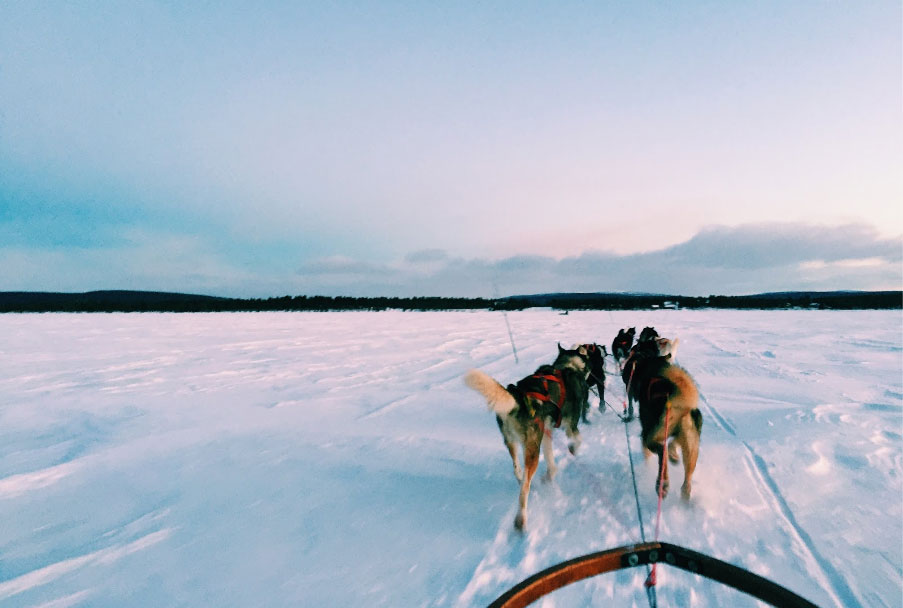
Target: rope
<point x="650" y="590"/>
<point x="510" y="336"/>
<point x="651" y="580"/>
<point x="495" y="290"/>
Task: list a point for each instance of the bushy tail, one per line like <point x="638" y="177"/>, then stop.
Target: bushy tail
<point x="499" y="399"/>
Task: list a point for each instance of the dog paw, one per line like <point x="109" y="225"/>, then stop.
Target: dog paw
<point x="663" y="488"/>
<point x="549" y="476"/>
<point x="520" y="520"/>
<point x="685" y="492"/>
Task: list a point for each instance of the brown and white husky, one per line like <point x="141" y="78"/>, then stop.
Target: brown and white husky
<point x="668" y="398"/>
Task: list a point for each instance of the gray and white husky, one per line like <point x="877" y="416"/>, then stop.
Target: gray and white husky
<point x="526" y="412"/>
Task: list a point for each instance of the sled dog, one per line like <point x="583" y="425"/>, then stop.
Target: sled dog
<point x="666" y="391"/>
<point x="526" y="412"/>
<point x="620" y="346"/>
<point x="648" y="333"/>
<point x="595" y="373"/>
<point x="642" y="350"/>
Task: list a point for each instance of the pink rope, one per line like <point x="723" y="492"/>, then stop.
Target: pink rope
<point x="651" y="580"/>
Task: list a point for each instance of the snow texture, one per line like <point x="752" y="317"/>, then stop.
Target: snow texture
<point x="338" y="459"/>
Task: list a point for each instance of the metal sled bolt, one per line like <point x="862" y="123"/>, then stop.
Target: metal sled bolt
<point x="653" y="557"/>
<point x="633" y="559"/>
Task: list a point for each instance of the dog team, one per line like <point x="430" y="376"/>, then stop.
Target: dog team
<point x="557" y="395"/>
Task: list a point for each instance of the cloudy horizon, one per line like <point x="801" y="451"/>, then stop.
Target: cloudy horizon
<point x="459" y="150"/>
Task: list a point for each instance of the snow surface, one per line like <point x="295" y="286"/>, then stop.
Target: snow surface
<point x="337" y="459"/>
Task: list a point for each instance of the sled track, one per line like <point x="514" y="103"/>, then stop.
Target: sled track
<point x="832" y="581"/>
<point x="394" y="403"/>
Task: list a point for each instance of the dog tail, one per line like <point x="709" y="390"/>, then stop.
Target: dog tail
<point x="499" y="399"/>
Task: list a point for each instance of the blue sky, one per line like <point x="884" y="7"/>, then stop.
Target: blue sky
<point x="451" y="148"/>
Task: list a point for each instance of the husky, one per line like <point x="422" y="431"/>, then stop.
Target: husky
<point x="595" y="375"/>
<point x="666" y="391"/>
<point x="648" y="333"/>
<point x="555" y="395"/>
<point x="620" y="346"/>
<point x="642" y="350"/>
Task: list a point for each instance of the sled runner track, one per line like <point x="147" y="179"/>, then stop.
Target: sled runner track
<point x="832" y="581"/>
<point x="391" y="405"/>
<point x="386" y="407"/>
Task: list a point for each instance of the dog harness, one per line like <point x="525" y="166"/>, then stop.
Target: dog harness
<point x="658" y="387"/>
<point x="537" y="387"/>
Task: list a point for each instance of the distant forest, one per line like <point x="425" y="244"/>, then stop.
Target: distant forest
<point x="146" y="301"/>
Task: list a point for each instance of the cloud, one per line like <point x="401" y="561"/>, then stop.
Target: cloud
<point x="777" y="244"/>
<point x="343" y="266"/>
<point x="426" y="256"/>
<point x="718" y="260"/>
<point x="139" y="260"/>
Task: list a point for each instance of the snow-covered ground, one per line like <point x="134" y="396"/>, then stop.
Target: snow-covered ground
<point x="337" y="459"/>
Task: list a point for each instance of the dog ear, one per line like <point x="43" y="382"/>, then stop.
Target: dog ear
<point x="560" y="350"/>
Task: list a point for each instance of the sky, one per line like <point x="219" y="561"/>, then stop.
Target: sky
<point x="454" y="149"/>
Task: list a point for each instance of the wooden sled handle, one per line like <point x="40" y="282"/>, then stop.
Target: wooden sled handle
<point x="629" y="556"/>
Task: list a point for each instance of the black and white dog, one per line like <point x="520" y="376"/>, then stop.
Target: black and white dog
<point x="620" y="346"/>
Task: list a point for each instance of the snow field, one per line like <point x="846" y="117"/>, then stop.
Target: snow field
<point x="333" y="459"/>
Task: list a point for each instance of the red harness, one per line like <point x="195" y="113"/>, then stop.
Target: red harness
<point x="557" y="378"/>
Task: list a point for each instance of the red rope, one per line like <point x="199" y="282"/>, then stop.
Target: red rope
<point x="650" y="582"/>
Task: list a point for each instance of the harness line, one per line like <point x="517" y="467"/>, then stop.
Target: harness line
<point x="650" y="590"/>
<point x="510" y="336"/>
<point x="603" y="400"/>
<point x="651" y="595"/>
<point x="495" y="289"/>
<point x="651" y="580"/>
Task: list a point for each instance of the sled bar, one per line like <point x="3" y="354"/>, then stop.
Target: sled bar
<point x="629" y="556"/>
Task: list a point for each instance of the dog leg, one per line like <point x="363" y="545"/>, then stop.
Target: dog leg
<point x="689" y="445"/>
<point x="672" y="452"/>
<point x="575" y="439"/>
<point x="531" y="461"/>
<point x="549" y="454"/>
<point x="512" y="449"/>
<point x="661" y="480"/>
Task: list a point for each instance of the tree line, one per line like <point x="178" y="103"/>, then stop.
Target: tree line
<point x="142" y="301"/>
